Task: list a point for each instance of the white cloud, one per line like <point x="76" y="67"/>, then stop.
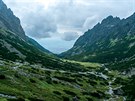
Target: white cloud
<point x="90" y="22"/>
<point x="39" y="24"/>
<point x="69" y="36"/>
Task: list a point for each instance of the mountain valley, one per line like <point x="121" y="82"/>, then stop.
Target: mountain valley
<point x="99" y="67"/>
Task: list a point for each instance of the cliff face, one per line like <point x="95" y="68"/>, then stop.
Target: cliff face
<point x="9" y="21"/>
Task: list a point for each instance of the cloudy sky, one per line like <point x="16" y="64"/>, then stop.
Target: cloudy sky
<point x="56" y="24"/>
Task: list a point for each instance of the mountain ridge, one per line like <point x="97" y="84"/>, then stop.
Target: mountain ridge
<point x="29" y="73"/>
<point x="8" y="21"/>
<point x="104" y="41"/>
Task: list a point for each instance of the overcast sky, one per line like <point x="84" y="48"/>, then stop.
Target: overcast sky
<point x="56" y="24"/>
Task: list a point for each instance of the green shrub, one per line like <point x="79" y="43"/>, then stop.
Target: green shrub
<point x="2" y="77"/>
<point x="32" y="80"/>
<point x="57" y="92"/>
<point x="69" y="92"/>
<point x="66" y="98"/>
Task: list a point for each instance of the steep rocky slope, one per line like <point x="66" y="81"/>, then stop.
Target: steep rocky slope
<point x="8" y="21"/>
<point x="111" y="40"/>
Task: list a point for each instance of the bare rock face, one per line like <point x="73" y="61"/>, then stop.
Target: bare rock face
<point x="9" y="21"/>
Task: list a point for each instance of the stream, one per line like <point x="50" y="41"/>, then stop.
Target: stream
<point x="111" y="89"/>
<point x="7" y="96"/>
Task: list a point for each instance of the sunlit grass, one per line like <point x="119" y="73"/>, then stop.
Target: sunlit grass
<point x="85" y="64"/>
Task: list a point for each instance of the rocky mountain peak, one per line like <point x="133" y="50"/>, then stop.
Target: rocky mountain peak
<point x="9" y="21"/>
<point x="110" y="20"/>
<point x="106" y="41"/>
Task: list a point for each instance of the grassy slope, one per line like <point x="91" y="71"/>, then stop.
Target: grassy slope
<point x="33" y="83"/>
<point x="30" y="53"/>
<point x="59" y="83"/>
<point x="85" y="64"/>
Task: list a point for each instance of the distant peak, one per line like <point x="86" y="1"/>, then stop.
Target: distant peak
<point x="110" y="19"/>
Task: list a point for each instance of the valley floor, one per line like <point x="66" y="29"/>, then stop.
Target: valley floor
<point x="26" y="82"/>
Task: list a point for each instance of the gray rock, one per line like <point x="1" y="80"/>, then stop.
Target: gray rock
<point x="9" y="21"/>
